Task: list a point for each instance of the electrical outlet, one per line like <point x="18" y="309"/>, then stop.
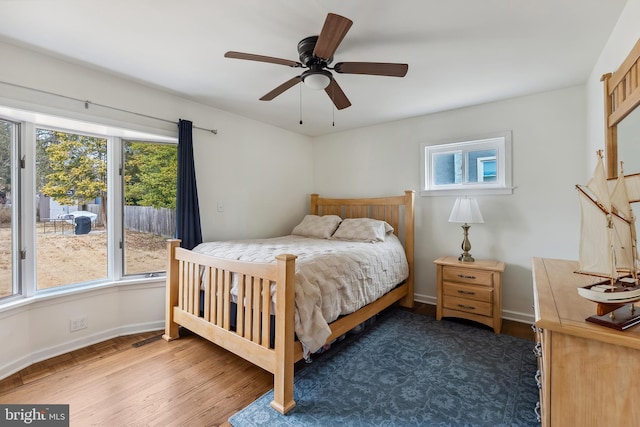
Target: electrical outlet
<point x="78" y="323"/>
<point x="220" y="207"/>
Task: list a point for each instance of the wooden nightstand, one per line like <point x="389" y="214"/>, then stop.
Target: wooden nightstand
<point x="470" y="290"/>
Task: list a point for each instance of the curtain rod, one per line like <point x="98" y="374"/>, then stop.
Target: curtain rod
<point x="87" y="103"/>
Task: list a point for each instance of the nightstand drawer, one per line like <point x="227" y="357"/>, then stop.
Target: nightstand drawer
<point x="476" y="293"/>
<point x="467" y="275"/>
<point x="467" y="305"/>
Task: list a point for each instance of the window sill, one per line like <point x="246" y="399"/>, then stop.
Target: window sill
<point x="468" y="191"/>
<point x="70" y="293"/>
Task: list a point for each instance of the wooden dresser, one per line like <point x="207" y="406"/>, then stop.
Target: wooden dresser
<point x="589" y="375"/>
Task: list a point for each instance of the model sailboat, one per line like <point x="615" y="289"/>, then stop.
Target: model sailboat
<point x="608" y="249"/>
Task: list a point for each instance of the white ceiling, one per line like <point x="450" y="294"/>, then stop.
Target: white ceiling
<point x="460" y="52"/>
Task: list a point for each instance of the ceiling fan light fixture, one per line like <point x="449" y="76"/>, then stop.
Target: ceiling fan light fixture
<point x="317" y="80"/>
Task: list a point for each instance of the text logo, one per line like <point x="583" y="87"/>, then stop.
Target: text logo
<point x="34" y="415"/>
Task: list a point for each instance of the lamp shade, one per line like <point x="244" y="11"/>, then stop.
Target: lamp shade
<point x="466" y="210"/>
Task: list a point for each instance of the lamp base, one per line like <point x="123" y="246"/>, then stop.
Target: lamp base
<point x="466" y="245"/>
<point x="466" y="257"/>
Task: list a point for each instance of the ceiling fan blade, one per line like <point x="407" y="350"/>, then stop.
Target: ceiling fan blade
<point x="334" y="29"/>
<point x="284" y="86"/>
<point x="336" y="94"/>
<point x="261" y="58"/>
<point x="372" y="68"/>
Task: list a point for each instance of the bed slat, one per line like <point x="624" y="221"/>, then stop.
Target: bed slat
<point x="356" y="212"/>
<point x="219" y="299"/>
<point x="332" y="210"/>
<point x="240" y="307"/>
<point x="247" y="308"/>
<point x="266" y="313"/>
<point x="255" y="311"/>
<point x="181" y="285"/>
<point x="207" y="294"/>
<point x="226" y="297"/>
<point x="195" y="291"/>
<point x="216" y="302"/>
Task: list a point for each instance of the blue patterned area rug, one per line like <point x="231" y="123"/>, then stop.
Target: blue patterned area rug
<point x="411" y="370"/>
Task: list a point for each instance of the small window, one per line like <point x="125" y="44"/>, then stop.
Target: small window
<point x="473" y="166"/>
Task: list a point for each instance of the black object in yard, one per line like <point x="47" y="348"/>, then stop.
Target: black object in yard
<point x="83" y="225"/>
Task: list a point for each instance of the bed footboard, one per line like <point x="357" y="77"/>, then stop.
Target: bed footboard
<point x="188" y="273"/>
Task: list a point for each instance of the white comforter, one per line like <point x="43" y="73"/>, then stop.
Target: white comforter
<point x="333" y="277"/>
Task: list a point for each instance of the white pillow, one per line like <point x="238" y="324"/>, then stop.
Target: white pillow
<point x="362" y="229"/>
<point x="321" y="227"/>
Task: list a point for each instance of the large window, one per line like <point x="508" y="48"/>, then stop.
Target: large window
<point x="100" y="208"/>
<point x="150" y="182"/>
<point x="71" y="190"/>
<point x="473" y="166"/>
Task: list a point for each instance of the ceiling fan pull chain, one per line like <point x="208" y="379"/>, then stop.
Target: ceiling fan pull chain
<point x="300" y="86"/>
<point x="333" y="107"/>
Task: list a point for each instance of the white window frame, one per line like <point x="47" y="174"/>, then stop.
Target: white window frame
<point x="501" y="142"/>
<point x="25" y="273"/>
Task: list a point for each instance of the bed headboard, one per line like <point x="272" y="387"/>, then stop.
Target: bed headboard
<point x="397" y="211"/>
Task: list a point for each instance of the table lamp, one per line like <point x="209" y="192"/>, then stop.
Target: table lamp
<point x="465" y="210"/>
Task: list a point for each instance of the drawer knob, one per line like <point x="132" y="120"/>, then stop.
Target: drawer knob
<point x="460" y="291"/>
<point x="468" y="307"/>
<point x="537" y="377"/>
<point x="537" y="412"/>
<point x="464" y="276"/>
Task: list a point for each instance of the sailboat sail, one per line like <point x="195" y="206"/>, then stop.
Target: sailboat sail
<point x="607" y="239"/>
<point x="597" y="232"/>
<point x="597" y="255"/>
<point x="625" y="226"/>
<point x="598" y="185"/>
<point x="619" y="198"/>
<point x="622" y="245"/>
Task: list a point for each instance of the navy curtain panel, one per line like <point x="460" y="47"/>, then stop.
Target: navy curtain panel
<point x="187" y="209"/>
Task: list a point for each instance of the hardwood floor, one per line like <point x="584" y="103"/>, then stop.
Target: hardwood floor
<point x="141" y="380"/>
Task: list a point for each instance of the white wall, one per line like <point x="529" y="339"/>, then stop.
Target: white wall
<point x="541" y="218"/>
<point x="260" y="174"/>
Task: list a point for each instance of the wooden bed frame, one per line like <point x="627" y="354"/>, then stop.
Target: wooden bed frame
<point x="251" y="337"/>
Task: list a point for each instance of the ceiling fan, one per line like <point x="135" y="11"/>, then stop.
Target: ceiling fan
<point x="316" y="53"/>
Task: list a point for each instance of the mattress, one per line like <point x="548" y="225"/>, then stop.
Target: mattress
<point x="333" y="277"/>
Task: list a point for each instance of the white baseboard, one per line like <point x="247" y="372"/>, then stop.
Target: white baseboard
<point x="518" y="317"/>
<point x="66" y="347"/>
<point x="506" y="314"/>
<point x="425" y="299"/>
